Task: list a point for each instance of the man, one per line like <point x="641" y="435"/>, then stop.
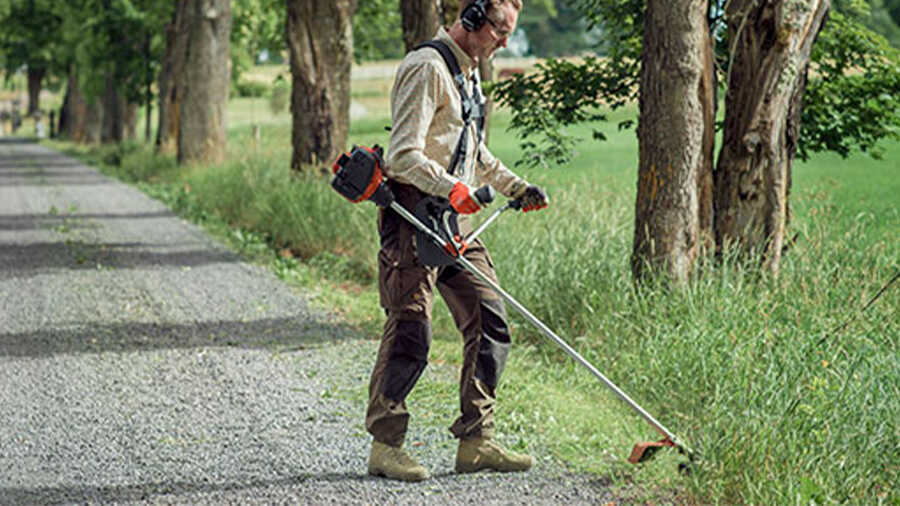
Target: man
<point x="425" y="158"/>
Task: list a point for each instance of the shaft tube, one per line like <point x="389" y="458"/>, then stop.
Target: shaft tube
<point x="466" y="264"/>
<point x="570" y="351"/>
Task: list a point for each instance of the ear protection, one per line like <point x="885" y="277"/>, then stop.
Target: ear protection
<point x="474" y="15"/>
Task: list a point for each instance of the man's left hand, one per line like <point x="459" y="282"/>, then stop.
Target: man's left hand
<point x="534" y="198"/>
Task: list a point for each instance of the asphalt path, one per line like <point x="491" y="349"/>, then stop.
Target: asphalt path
<point x="143" y="362"/>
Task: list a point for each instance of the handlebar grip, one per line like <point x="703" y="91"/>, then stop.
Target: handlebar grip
<point x="485" y="195"/>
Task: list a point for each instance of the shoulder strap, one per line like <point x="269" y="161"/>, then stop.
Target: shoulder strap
<point x="450" y="59"/>
<point x="468" y="105"/>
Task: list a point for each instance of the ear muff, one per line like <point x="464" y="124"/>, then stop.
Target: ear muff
<point x="474" y="15"/>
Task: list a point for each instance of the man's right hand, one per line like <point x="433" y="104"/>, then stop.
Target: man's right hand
<point x="462" y="198"/>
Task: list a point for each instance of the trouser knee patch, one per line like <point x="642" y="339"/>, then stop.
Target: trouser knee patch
<point x="407" y="359"/>
<point x="495" y="342"/>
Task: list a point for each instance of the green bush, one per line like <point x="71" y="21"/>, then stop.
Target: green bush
<point x="250" y="89"/>
<point x="280" y="96"/>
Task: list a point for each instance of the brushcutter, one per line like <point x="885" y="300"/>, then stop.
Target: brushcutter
<point x="358" y="177"/>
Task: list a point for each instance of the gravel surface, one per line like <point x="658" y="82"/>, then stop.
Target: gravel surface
<point x="142" y="362"/>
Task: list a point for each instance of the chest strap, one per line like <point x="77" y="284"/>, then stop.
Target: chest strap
<point x="472" y="107"/>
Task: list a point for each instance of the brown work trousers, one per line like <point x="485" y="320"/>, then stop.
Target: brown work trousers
<point x="407" y="292"/>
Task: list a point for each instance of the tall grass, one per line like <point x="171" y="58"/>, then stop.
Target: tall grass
<point x="780" y="406"/>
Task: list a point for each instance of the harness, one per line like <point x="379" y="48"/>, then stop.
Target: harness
<point x="472" y="107"/>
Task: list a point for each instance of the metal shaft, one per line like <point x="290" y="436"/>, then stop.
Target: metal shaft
<point x="471" y="237"/>
<point x="462" y="261"/>
<point x="569" y="350"/>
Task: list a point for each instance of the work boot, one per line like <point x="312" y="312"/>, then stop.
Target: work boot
<point x="392" y="462"/>
<point x="479" y="453"/>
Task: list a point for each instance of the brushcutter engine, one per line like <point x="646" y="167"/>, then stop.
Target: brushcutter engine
<point x="358" y="176"/>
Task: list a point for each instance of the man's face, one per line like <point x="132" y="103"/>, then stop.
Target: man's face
<point x="496" y="31"/>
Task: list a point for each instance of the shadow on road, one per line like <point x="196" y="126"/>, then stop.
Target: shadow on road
<point x="18" y="140"/>
<point x="20" y="222"/>
<point x="48" y="172"/>
<point x="29" y="260"/>
<point x="146" y="491"/>
<point x="280" y="334"/>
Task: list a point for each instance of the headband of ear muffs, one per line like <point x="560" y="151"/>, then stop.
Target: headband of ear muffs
<point x="474" y="15"/>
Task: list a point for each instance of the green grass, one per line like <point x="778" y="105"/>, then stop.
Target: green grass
<point x="745" y="368"/>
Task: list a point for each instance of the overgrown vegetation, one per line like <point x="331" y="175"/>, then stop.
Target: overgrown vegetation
<point x="749" y="370"/>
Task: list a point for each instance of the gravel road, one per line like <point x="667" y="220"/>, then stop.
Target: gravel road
<point x="143" y="362"/>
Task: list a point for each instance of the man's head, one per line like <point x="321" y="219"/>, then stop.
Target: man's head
<point x="488" y="24"/>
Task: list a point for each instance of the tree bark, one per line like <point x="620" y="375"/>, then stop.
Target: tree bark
<point x="35" y="80"/>
<point x="171" y="86"/>
<point x="201" y="129"/>
<point x="149" y="87"/>
<point x="93" y="125"/>
<point x="73" y="117"/>
<point x="113" y="112"/>
<point x="129" y="120"/>
<point x="675" y="138"/>
<point x="448" y="11"/>
<point x="767" y="77"/>
<point x="421" y="19"/>
<point x="320" y="42"/>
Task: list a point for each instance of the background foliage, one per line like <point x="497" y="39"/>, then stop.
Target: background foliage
<point x="852" y="102"/>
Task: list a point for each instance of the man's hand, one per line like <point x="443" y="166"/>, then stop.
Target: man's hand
<point x="462" y="198"/>
<point x="533" y="198"/>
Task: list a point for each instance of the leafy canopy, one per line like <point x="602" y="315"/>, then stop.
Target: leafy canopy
<point x="852" y="99"/>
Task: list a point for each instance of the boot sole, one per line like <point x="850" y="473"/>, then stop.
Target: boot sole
<point x="381" y="474"/>
<point x="475" y="469"/>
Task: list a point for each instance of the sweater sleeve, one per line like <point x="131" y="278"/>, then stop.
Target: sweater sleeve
<point x="414" y="99"/>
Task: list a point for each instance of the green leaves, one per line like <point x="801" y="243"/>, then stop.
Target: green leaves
<point x="852" y="100"/>
<point x="377" y="32"/>
<point x="258" y="25"/>
<point x="563" y="93"/>
<point x="29" y="34"/>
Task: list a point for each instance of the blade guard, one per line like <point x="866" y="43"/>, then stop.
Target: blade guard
<point x="644" y="451"/>
<point x="358" y="176"/>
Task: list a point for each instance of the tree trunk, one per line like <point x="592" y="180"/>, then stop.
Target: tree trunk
<point x="93" y="125"/>
<point x="35" y="78"/>
<point x="320" y="41"/>
<point x="448" y="11"/>
<point x="421" y="19"/>
<point x="149" y="87"/>
<point x="201" y="129"/>
<point x="675" y="138"/>
<point x="73" y="117"/>
<point x="129" y="121"/>
<point x="171" y="81"/>
<point x="771" y="50"/>
<point x="113" y="112"/>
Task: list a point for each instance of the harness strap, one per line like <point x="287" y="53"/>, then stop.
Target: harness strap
<point x="472" y="107"/>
